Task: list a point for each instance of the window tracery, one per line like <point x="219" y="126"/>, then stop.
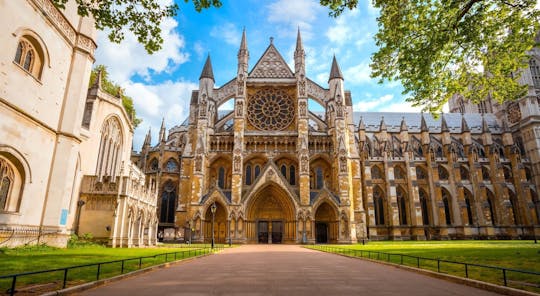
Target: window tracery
<point x="29" y="56"/>
<point x="270" y="110"/>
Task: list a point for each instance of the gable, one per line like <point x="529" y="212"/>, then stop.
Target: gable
<point x="271" y="65"/>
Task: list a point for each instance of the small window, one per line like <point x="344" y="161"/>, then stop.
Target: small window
<point x="292" y="172"/>
<point x="221" y="177"/>
<point x="443" y="173"/>
<point x="172" y="166"/>
<point x="154" y="165"/>
<point x="319" y="178"/>
<point x="29" y="56"/>
<point x="248" y="174"/>
<point x="257" y="171"/>
<point x="4" y="191"/>
<point x="284" y="171"/>
<point x="376" y="173"/>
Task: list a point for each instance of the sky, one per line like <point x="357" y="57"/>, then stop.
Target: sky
<point x="161" y="84"/>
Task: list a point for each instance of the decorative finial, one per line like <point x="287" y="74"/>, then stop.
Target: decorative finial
<point x="271" y="40"/>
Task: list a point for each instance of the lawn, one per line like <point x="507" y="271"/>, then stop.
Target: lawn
<point x="37" y="258"/>
<point x="520" y="255"/>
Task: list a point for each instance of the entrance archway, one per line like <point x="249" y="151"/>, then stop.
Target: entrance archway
<point x="220" y="224"/>
<point x="270" y="217"/>
<point x="326" y="224"/>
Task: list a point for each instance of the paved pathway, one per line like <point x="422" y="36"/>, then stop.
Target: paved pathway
<point x="282" y="270"/>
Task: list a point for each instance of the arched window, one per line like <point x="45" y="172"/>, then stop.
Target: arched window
<point x="421" y="173"/>
<point x="248" y="174"/>
<point x="376" y="172"/>
<point x="464" y="172"/>
<point x="424" y="206"/>
<point x="154" y="165"/>
<point x="491" y="206"/>
<point x="257" y="171"/>
<point x="221" y="177"/>
<point x="171" y="166"/>
<point x="402" y="206"/>
<point x="284" y="171"/>
<point x="292" y="172"/>
<point x="443" y="173"/>
<point x="378" y="202"/>
<point x="535" y="72"/>
<point x="11" y="185"/>
<point x="29" y="56"/>
<point x="110" y="155"/>
<point x="485" y="173"/>
<point x="468" y="206"/>
<point x="168" y="203"/>
<point x="319" y="176"/>
<point x="446" y="203"/>
<point x="507" y="174"/>
<point x="399" y="174"/>
<point x="515" y="207"/>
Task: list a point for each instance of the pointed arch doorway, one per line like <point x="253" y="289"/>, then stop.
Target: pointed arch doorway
<point x="270" y="215"/>
<point x="326" y="224"/>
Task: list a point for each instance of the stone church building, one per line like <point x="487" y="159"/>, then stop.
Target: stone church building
<point x="274" y="169"/>
<point x="278" y="172"/>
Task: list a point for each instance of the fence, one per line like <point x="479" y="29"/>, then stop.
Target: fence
<point x="95" y="271"/>
<point x="523" y="279"/>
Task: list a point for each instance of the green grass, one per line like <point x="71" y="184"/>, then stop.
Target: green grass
<point x="37" y="258"/>
<point x="520" y="255"/>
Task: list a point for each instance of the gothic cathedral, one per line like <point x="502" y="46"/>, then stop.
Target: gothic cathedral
<point x="274" y="171"/>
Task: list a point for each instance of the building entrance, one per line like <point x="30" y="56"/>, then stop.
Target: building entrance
<point x="270" y="232"/>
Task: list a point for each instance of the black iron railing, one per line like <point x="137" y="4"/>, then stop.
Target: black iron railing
<point x="526" y="278"/>
<point x="122" y="266"/>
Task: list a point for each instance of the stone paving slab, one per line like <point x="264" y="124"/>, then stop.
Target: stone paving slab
<point x="282" y="270"/>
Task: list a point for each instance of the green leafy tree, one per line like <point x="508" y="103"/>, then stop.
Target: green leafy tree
<point x="115" y="90"/>
<point x="141" y="17"/>
<point x="438" y="48"/>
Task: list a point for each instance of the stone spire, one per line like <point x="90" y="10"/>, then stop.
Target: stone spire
<point x="383" y="125"/>
<point x="99" y="78"/>
<point x="148" y="138"/>
<point x="299" y="55"/>
<point x="361" y="125"/>
<point x="486" y="133"/>
<point x="444" y="125"/>
<point x="335" y="71"/>
<point x="485" y="127"/>
<point x="464" y="125"/>
<point x="162" y="131"/>
<point x="403" y="125"/>
<point x="423" y="125"/>
<point x="207" y="71"/>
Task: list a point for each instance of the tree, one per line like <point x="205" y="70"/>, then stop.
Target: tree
<point x="114" y="89"/>
<point x="439" y="48"/>
<point x="141" y="17"/>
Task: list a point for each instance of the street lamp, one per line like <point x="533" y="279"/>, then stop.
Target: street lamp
<point x="213" y="210"/>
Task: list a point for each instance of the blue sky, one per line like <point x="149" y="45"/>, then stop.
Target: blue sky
<point x="161" y="84"/>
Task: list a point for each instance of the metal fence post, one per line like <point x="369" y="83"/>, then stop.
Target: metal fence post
<point x="401" y="262"/>
<point x="504" y="277"/>
<point x="466" y="270"/>
<point x="140" y="262"/>
<point x="65" y="278"/>
<point x="13" y="283"/>
<point x="418" y="262"/>
<point x="122" y="271"/>
<point x="438" y="265"/>
<point x="98" y="270"/>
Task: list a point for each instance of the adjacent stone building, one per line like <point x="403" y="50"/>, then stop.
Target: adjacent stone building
<point x="52" y="137"/>
<point x="279" y="172"/>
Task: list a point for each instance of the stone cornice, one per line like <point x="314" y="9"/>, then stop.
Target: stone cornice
<point x="57" y="18"/>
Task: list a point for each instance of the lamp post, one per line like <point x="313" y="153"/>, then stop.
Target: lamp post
<point x="213" y="210"/>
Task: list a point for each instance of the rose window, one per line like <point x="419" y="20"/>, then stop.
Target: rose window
<point x="270" y="109"/>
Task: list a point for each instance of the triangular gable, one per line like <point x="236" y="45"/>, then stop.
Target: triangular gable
<point x="271" y="65"/>
<point x="270" y="173"/>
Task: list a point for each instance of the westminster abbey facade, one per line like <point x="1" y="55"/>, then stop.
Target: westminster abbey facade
<point x="278" y="172"/>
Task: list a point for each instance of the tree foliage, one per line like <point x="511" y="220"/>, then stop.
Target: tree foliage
<point x="114" y="89"/>
<point x="439" y="48"/>
<point x="142" y="17"/>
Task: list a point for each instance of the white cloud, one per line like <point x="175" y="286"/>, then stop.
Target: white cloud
<point x="199" y="50"/>
<point x="129" y="58"/>
<point x="169" y="100"/>
<point x="293" y="14"/>
<point x="228" y="32"/>
<point x="372" y="105"/>
<point x="358" y="74"/>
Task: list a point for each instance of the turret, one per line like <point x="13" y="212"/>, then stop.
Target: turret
<point x="243" y="55"/>
<point x="486" y="134"/>
<point x="424" y="131"/>
<point x="299" y="56"/>
<point x="465" y="131"/>
<point x="404" y="131"/>
<point x="445" y="131"/>
<point x="147" y="139"/>
<point x="206" y="87"/>
<point x="162" y="131"/>
<point x="361" y="131"/>
<point x="335" y="83"/>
